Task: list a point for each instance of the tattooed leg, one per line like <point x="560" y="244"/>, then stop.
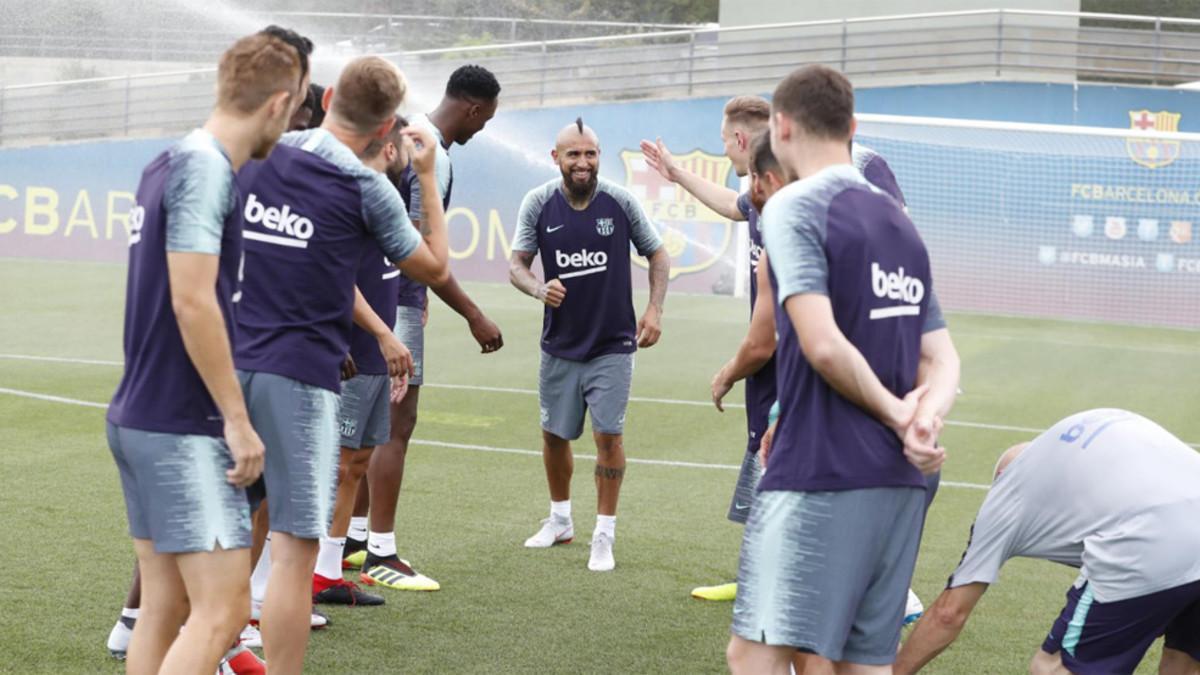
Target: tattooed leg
<point x="610" y="471"/>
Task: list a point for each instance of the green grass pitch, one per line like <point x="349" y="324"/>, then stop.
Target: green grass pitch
<point x="466" y="507"/>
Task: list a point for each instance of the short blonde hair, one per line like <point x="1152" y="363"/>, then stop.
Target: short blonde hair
<point x="752" y="112"/>
<point x="253" y="70"/>
<point x="367" y="93"/>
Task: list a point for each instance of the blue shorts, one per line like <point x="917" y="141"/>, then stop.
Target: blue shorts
<point x="1111" y="638"/>
<point x="297" y="423"/>
<point x="365" y="417"/>
<point x="176" y="494"/>
<point x="828" y="572"/>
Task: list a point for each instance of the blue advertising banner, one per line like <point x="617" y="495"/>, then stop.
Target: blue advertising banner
<point x="1017" y="223"/>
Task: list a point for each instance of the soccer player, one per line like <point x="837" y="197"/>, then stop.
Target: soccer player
<point x="178" y="426"/>
<point x="844" y="471"/>
<point x="470" y="101"/>
<point x="313" y="210"/>
<point x="1114" y="494"/>
<point x="582" y="226"/>
<point x="364" y="421"/>
<point x="744" y="120"/>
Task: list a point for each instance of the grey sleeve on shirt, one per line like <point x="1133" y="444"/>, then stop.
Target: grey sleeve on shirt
<point x="386" y="219"/>
<point x="441" y="168"/>
<point x="934" y="320"/>
<point x="526" y="236"/>
<point x="197" y="200"/>
<point x="641" y="231"/>
<point x="794" y="236"/>
<point x="993" y="540"/>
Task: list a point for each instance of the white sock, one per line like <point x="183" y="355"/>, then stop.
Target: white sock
<point x="561" y="509"/>
<point x="258" y="580"/>
<point x="358" y="529"/>
<point x="130" y="612"/>
<point x="329" y="559"/>
<point x="382" y="544"/>
<point x="606" y="525"/>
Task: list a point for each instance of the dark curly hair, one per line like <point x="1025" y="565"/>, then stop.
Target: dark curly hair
<point x="303" y="46"/>
<point x="472" y="81"/>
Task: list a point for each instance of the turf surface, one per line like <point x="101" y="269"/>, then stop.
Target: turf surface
<point x="473" y="490"/>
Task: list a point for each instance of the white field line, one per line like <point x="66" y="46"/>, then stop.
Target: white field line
<point x="469" y="446"/>
<point x="533" y="392"/>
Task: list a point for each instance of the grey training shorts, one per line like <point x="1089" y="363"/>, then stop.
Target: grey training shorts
<point x="408" y="329"/>
<point x="176" y="494"/>
<point x="569" y="389"/>
<point x="365" y="417"/>
<point x="297" y="423"/>
<point x="829" y="572"/>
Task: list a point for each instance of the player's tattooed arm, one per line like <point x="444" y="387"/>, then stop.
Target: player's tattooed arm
<point x="650" y="325"/>
<point x="610" y="472"/>
<point x="520" y="273"/>
<point x="422" y="147"/>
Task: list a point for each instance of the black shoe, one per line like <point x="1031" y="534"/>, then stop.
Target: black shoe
<point x="344" y="592"/>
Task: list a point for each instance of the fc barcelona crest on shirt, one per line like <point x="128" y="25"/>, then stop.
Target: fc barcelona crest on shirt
<point x="604" y="226"/>
<point x="1151" y="152"/>
<point x="695" y="235"/>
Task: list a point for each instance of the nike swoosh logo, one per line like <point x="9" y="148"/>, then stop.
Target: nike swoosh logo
<point x="554" y="229"/>
<point x="740" y="507"/>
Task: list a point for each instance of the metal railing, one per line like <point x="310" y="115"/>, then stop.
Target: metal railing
<point x="943" y="47"/>
<point x="190" y="37"/>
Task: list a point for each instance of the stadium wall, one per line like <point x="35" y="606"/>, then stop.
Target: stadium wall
<point x="71" y="201"/>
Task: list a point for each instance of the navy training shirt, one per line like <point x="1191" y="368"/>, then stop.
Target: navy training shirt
<point x="186" y="203"/>
<point x="379" y="282"/>
<point x="313" y="214"/>
<point x="760" y="387"/>
<point x="588" y="251"/>
<point x="875" y="169"/>
<point x="835" y="234"/>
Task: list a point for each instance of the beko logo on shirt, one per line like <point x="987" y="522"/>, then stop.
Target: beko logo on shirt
<point x="896" y="286"/>
<point x="582" y="263"/>
<point x="296" y="228"/>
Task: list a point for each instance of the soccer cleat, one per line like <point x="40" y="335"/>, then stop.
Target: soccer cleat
<point x="392" y="572"/>
<point x="242" y="661"/>
<point x="913" y="609"/>
<point x="554" y="530"/>
<point x="355" y="554"/>
<point x="602" y="553"/>
<point x="319" y="621"/>
<point x="719" y="593"/>
<point x="118" y="637"/>
<point x="250" y="636"/>
<point x="341" y="592"/>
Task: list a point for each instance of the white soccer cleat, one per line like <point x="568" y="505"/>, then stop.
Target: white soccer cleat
<point x="251" y="637"/>
<point x="554" y="530"/>
<point x="913" y="609"/>
<point x="602" y="553"/>
<point x="118" y="638"/>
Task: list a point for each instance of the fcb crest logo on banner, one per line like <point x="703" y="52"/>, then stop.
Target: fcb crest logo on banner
<point x="695" y="235"/>
<point x="1153" y="153"/>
